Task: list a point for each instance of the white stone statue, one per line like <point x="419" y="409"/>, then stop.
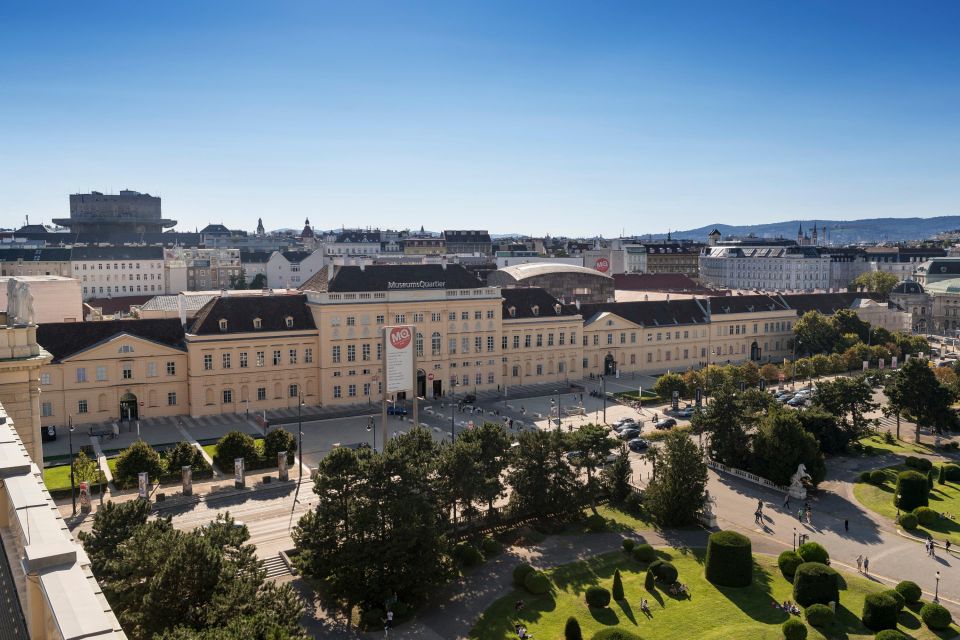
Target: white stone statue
<point x="19" y="303"/>
<point x="797" y="490"/>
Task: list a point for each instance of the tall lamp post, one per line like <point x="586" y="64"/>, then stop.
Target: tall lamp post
<point x="370" y="428"/>
<point x="793" y="364"/>
<point x="557" y="391"/>
<point x="794" y="538"/>
<point x="453" y="410"/>
<point x="73" y="493"/>
<point x="936" y="589"/>
<point x="300" y="431"/>
<point x="603" y="387"/>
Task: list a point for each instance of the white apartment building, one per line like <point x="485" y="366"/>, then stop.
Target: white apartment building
<point x="118" y="271"/>
<point x="290" y="269"/>
<point x="766" y="268"/>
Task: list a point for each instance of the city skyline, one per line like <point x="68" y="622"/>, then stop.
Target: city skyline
<point x="525" y="119"/>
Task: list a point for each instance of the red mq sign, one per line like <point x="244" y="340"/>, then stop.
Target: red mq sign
<point x="603" y="265"/>
<point x="400" y="337"/>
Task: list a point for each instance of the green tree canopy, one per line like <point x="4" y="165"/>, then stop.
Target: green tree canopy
<point x="781" y="444"/>
<point x="815" y="333"/>
<point x="849" y="399"/>
<point x="678" y="488"/>
<point x="879" y="282"/>
<point x="668" y="383"/>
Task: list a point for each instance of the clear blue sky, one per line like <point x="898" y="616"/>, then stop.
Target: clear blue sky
<point x="538" y="117"/>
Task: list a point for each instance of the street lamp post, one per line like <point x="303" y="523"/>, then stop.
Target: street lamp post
<point x="793" y="372"/>
<point x="453" y="409"/>
<point x="300" y="430"/>
<point x="556" y="391"/>
<point x="794" y="538"/>
<point x="936" y="589"/>
<point x="603" y="387"/>
<point x="73" y="493"/>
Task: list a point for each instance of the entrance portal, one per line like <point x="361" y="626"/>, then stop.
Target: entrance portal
<point x="421" y="383"/>
<point x="437" y="388"/>
<point x="609" y="365"/>
<point x="755" y="351"/>
<point x="129" y="409"/>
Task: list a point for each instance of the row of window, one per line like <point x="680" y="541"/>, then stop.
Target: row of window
<point x="293" y="391"/>
<point x="123" y="276"/>
<point x="126" y="372"/>
<point x="417" y="318"/>
<point x="122" y="289"/>
<point x="118" y="267"/>
<point x="226" y="358"/>
<point x="46" y="408"/>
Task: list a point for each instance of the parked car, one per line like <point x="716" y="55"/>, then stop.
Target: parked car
<point x="396" y="410"/>
<point x="638" y="445"/>
<point x="469" y="398"/>
<point x="629" y="433"/>
<point x="685" y="413"/>
<point x="797" y="401"/>
<point x="666" y="423"/>
<point x="624" y="422"/>
<point x="611" y="457"/>
<point x="573" y="456"/>
<point x="626" y="425"/>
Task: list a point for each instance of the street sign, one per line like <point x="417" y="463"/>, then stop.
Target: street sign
<point x="676" y="400"/>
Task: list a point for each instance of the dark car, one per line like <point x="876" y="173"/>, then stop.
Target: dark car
<point x="666" y="423"/>
<point x="395" y="410"/>
<point x="48" y="434"/>
<point x="469" y="398"/>
<point x="629" y="433"/>
<point x="638" y="445"/>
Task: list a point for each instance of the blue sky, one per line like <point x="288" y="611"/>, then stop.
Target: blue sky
<point x="537" y="117"/>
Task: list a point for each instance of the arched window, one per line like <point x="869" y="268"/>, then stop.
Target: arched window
<point x="516" y="371"/>
<point x="435" y="343"/>
<point x="561" y="366"/>
<point x="419" y="344"/>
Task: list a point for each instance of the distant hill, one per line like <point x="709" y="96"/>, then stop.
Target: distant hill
<point x="838" y="231"/>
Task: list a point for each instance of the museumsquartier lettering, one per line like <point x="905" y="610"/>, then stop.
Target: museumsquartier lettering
<point x="422" y="284"/>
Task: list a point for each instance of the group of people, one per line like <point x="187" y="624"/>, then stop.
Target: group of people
<point x="679" y="589"/>
<point x="787" y="606"/>
<point x="863" y="564"/>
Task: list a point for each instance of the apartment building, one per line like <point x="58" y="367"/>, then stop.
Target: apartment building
<point x="290" y="269"/>
<point x="540" y="339"/>
<point x="118" y="271"/>
<point x="189" y="269"/>
<point x="34" y="262"/>
<point x="765" y="268"/>
<point x="757" y="328"/>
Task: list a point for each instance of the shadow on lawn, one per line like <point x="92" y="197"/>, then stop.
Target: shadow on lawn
<point x="756" y="600"/>
<point x="576" y="577"/>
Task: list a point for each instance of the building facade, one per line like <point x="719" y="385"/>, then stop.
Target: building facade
<point x="118" y="271"/>
<point x="106" y="214"/>
<point x="765" y="268"/>
<point x="290" y="269"/>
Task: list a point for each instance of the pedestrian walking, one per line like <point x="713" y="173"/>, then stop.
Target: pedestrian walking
<point x="786" y="502"/>
<point x="866" y="566"/>
<point x="800" y="515"/>
<point x="860" y="564"/>
<point x="946" y="546"/>
<point x="846" y="525"/>
<point x="759" y="505"/>
<point x="757" y="516"/>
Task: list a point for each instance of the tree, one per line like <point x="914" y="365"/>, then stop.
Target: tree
<point x="914" y="389"/>
<point x="543" y="483"/>
<point x="461" y="476"/>
<point x="849" y="399"/>
<point x="847" y="321"/>
<point x="879" y="282"/>
<point x="135" y="459"/>
<point x="770" y="372"/>
<point x="239" y="281"/>
<point x="781" y="444"/>
<point x="84" y="469"/>
<point x="724" y="420"/>
<point x="233" y="445"/>
<point x="668" y="383"/>
<point x="259" y="281"/>
<point x="617" y="477"/>
<point x="113" y="524"/>
<point x="494" y="445"/>
<point x="279" y="439"/>
<point x="678" y="489"/>
<point x="815" y="333"/>
<point x="594" y="444"/>
<point x="823" y="426"/>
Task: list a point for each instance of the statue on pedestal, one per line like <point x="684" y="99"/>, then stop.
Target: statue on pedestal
<point x="797" y="490"/>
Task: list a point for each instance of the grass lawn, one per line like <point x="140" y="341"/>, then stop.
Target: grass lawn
<point x="58" y="477"/>
<point x="945" y="498"/>
<point x="712" y="613"/>
<point x="211" y="449"/>
<point x="875" y="445"/>
<point x="617" y="520"/>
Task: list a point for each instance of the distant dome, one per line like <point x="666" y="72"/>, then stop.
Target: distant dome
<point x="307" y="231"/>
<point x="909" y="287"/>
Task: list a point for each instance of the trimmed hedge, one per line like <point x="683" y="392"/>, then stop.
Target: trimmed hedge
<point x="598" y="597"/>
<point x="537" y="583"/>
<point x="877" y="477"/>
<point x="520" y="573"/>
<point x="613" y="633"/>
<point x="819" y="615"/>
<point x="863" y="476"/>
<point x="815" y="583"/>
<point x="813" y="552"/>
<point x="901" y="601"/>
<point x="910" y="591"/>
<point x="920" y="464"/>
<point x="467" y="555"/>
<point x="788" y="561"/>
<point x="729" y="560"/>
<point x="596" y="523"/>
<point x="572" y="630"/>
<point x="935" y="616"/>
<point x="136" y="458"/>
<point x="912" y="489"/>
<point x="644" y="553"/>
<point x="909" y="521"/>
<point x="880" y="611"/>
<point x="891" y="634"/>
<point x="628" y="544"/>
<point x="490" y="546"/>
<point x="951" y="472"/>
<point x="793" y="629"/>
<point x="665" y="572"/>
<point x="617" y="589"/>
<point x="925" y="516"/>
<point x="650" y="581"/>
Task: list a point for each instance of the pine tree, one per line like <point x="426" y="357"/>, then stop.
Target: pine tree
<point x="650" y="581"/>
<point x="572" y="630"/>
<point x="942" y="476"/>
<point x="617" y="586"/>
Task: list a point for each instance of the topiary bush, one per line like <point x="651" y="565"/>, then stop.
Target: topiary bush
<point x="911" y="491"/>
<point x="596" y="523"/>
<point x="537" y="583"/>
<point x="935" y="616"/>
<point x="793" y="629"/>
<point x="520" y="573"/>
<point x="880" y="611"/>
<point x="891" y="634"/>
<point x="877" y="477"/>
<point x="952" y="472"/>
<point x="133" y="460"/>
<point x="920" y="464"/>
<point x="572" y="630"/>
<point x="815" y="583"/>
<point x="628" y="544"/>
<point x="912" y="462"/>
<point x="598" y="597"/>
<point x="931" y="479"/>
<point x="819" y="615"/>
<point x="467" y="555"/>
<point x="277" y="439"/>
<point x="788" y="561"/>
<point x="729" y="560"/>
<point x="665" y="572"/>
<point x="909" y="521"/>
<point x="910" y="591"/>
<point x="925" y="516"/>
<point x="863" y="476"/>
<point x="650" y="581"/>
<point x="813" y="552"/>
<point x="236" y="445"/>
<point x="942" y="475"/>
<point x="489" y="546"/>
<point x="644" y="553"/>
<point x="901" y="601"/>
<point x="617" y="589"/>
<point x="613" y="633"/>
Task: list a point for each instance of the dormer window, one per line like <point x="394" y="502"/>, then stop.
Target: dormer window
<point x="223" y="324"/>
<point x="257" y="323"/>
<point x="535" y="309"/>
<point x="512" y="311"/>
<point x="289" y="320"/>
<point x="556" y="309"/>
